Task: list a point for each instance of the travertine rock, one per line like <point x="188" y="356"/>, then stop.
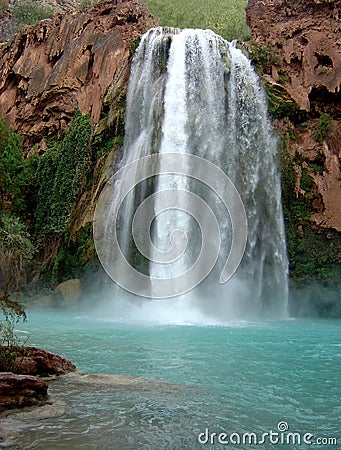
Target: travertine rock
<point x="21" y="390"/>
<point x="71" y="290"/>
<point x="36" y="361"/>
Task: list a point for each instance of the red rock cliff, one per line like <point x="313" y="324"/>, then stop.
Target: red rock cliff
<point x="305" y="34"/>
<point x="303" y="37"/>
<point x="66" y="63"/>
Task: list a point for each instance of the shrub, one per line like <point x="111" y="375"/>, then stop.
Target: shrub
<point x="16" y="250"/>
<point x="11" y="163"/>
<point x="323" y="127"/>
<point x="11" y="313"/>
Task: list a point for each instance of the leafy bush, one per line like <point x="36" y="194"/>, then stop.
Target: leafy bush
<point x="323" y="127"/>
<point x="16" y="250"/>
<point x="224" y="17"/>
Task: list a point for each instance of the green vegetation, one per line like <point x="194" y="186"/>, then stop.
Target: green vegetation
<point x="61" y="172"/>
<point x="262" y="57"/>
<point x="11" y="163"/>
<point x="323" y="127"/>
<point x="17" y="174"/>
<point x="38" y="195"/>
<point x="283" y="77"/>
<point x="224" y="17"/>
<point x="312" y="256"/>
<point x="317" y="165"/>
<point x="11" y="313"/>
<point x="74" y="255"/>
<point x="16" y="250"/>
<point x="30" y="12"/>
<point x="3" y="7"/>
<point x="306" y="181"/>
<point x="280" y="102"/>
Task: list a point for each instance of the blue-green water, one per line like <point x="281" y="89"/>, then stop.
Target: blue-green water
<point x="238" y="378"/>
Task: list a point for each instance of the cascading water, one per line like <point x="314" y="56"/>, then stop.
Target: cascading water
<point x="190" y="92"/>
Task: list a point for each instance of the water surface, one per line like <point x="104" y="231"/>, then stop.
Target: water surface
<point x="235" y="378"/>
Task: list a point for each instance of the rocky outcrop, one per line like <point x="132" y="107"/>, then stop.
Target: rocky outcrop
<point x="66" y="63"/>
<point x="304" y="38"/>
<point x="300" y="40"/>
<point x="20" y="387"/>
<point x="36" y="361"/>
<point x="17" y="391"/>
<point x="71" y="290"/>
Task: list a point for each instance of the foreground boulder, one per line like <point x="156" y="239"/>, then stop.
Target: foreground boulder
<point x="36" y="361"/>
<point x="17" y="391"/>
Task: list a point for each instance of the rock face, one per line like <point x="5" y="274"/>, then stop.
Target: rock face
<point x="305" y="35"/>
<point x="36" y="361"/>
<point x="71" y="290"/>
<point x="302" y="38"/>
<point x="21" y="390"/>
<point x="66" y="63"/>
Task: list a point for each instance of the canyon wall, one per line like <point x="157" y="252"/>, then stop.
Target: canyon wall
<point x="68" y="62"/>
<point x="303" y="37"/>
<point x="297" y="48"/>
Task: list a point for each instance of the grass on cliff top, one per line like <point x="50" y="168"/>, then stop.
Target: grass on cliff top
<point x="225" y="17"/>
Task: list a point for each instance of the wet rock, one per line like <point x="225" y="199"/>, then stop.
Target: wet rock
<point x="36" y="361"/>
<point x="71" y="290"/>
<point x="17" y="391"/>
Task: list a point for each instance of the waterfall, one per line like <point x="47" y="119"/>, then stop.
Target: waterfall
<point x="193" y="95"/>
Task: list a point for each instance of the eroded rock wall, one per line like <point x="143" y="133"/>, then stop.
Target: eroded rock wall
<point x="297" y="48"/>
<point x="66" y="63"/>
<point x="302" y="38"/>
<point x="305" y="36"/>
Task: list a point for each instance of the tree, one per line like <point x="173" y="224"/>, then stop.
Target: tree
<point x="11" y="163"/>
